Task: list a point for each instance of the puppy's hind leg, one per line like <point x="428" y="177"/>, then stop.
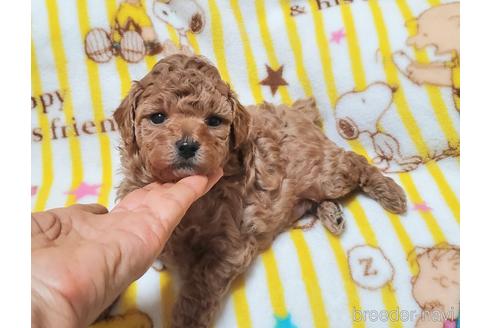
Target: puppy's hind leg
<point x="377" y="186"/>
<point x="344" y="171"/>
<point x="309" y="109"/>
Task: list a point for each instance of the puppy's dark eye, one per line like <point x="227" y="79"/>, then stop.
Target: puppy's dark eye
<point x="157" y="118"/>
<point x="214" y="121"/>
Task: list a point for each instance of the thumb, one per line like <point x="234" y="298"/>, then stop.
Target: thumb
<point x="160" y="208"/>
<point x="169" y="204"/>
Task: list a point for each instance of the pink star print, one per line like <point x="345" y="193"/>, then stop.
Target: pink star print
<point x="422" y="207"/>
<point x="337" y="36"/>
<point x="84" y="189"/>
<point x="34" y="190"/>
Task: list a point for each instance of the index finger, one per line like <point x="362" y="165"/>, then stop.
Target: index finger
<point x="173" y="202"/>
<point x="168" y="203"/>
<point x="134" y="199"/>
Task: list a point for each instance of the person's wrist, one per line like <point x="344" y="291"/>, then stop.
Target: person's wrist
<point x="49" y="308"/>
<point x="37" y="313"/>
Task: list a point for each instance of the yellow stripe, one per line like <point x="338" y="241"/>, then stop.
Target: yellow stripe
<point x="62" y="74"/>
<point x="442" y="116"/>
<point x="367" y="232"/>
<point x="173" y="35"/>
<point x="97" y="104"/>
<point x="359" y="78"/>
<point x="360" y="82"/>
<point x="326" y="63"/>
<point x="121" y="64"/>
<point x="218" y="39"/>
<point x="296" y="46"/>
<point x="401" y="234"/>
<point x="390" y="302"/>
<point x="150" y="61"/>
<point x="275" y="287"/>
<point x="363" y="223"/>
<point x="445" y="189"/>
<point x="240" y="301"/>
<point x="434" y="2"/>
<point x="241" y="307"/>
<point x="356" y="209"/>
<point x="129" y="298"/>
<point x="167" y="298"/>
<point x="193" y="42"/>
<point x="356" y="65"/>
<point x="389" y="298"/>
<point x="404" y="111"/>
<point x="351" y="290"/>
<point x="268" y="44"/>
<point x="124" y="74"/>
<point x="46" y="151"/>
<point x="440" y="109"/>
<point x="324" y="52"/>
<point x="111" y="7"/>
<point x="353" y="47"/>
<point x="310" y="278"/>
<point x="248" y="53"/>
<point x="274" y="283"/>
<point x="349" y="285"/>
<point x="429" y="219"/>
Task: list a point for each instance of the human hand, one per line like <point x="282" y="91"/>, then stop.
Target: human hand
<point x="83" y="257"/>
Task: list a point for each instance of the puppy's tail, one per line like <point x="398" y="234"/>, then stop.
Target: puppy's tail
<point x="309" y="109"/>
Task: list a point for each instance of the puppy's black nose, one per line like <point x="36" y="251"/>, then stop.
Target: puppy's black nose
<point x="187" y="148"/>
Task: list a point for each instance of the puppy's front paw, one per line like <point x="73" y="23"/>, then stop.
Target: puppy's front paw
<point x="331" y="215"/>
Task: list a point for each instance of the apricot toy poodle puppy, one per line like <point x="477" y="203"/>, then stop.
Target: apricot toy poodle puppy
<point x="182" y="119"/>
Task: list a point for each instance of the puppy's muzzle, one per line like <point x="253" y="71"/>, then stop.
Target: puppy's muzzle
<point x="187" y="148"/>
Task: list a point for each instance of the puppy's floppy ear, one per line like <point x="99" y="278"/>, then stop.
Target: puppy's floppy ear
<point x="125" y="116"/>
<point x="241" y="122"/>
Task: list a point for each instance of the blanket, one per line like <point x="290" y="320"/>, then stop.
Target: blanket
<point x="385" y="75"/>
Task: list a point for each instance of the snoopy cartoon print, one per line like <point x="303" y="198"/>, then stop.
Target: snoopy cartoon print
<point x="360" y="113"/>
<point x="369" y="115"/>
<point x="439" y="28"/>
<point x="183" y="15"/>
